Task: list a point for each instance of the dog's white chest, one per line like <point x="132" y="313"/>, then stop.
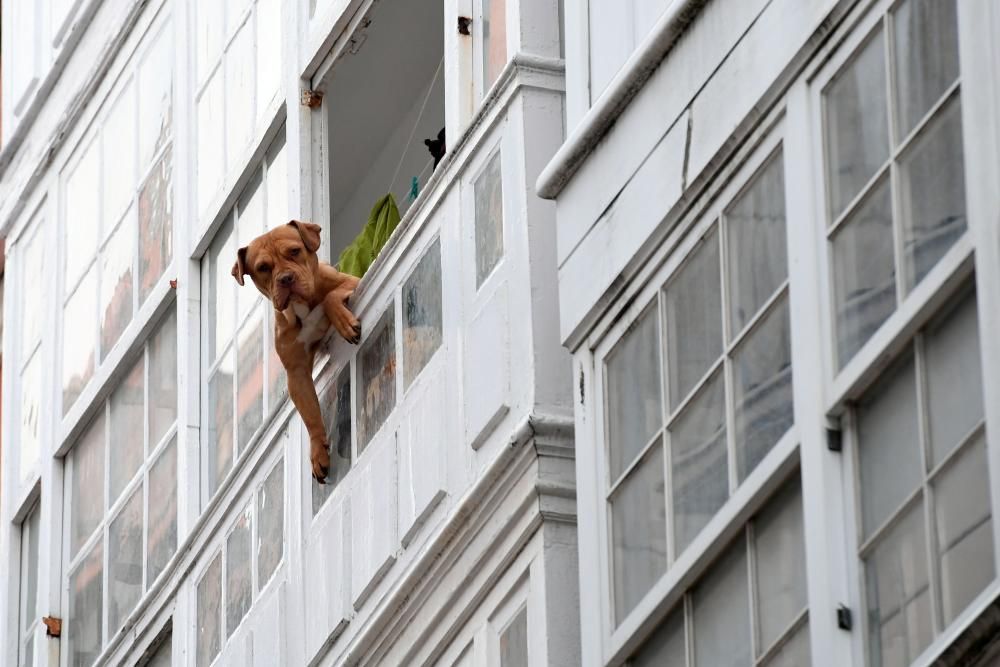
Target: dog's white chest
<point x="314" y="323"/>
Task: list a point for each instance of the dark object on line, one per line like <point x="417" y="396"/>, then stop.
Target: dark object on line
<point x="436" y="147"/>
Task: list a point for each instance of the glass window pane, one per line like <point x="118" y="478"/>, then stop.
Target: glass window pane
<point x="964" y="529"/>
<point x="277" y="189"/>
<point x="722" y="612"/>
<point x="857" y="124"/>
<point x="795" y="652"/>
<point x="249" y="225"/>
<point x="889" y="445"/>
<point x="31" y="411"/>
<point x="277" y="379"/>
<point x="163" y="379"/>
<point x="954" y="378"/>
<point x="635" y="408"/>
<point x="119" y="140"/>
<point x="514" y="642"/>
<point x="117" y="284"/>
<point x="220" y="424"/>
<point x="336" y="406"/>
<point x="666" y="645"/>
<point x="28" y="604"/>
<point x="80" y="347"/>
<point x="611" y="42"/>
<point x="125" y="561"/>
<point x="271" y="530"/>
<point x="239" y="63"/>
<point x="86" y="602"/>
<point x="208" y="36"/>
<point x="926" y="46"/>
<point x="155" y="99"/>
<point x="221" y="292"/>
<point x="694" y="319"/>
<point x="87" y="484"/>
<point x="209" y="613"/>
<point x="779" y="546"/>
<point x="127" y="451"/>
<point x="932" y="183"/>
<point x="639" y="528"/>
<point x="489" y="219"/>
<point x="239" y="584"/>
<point x="377" y="366"/>
<point x="164" y="655"/>
<point x="83" y="213"/>
<point x="899" y="599"/>
<point x="162" y="533"/>
<point x="33" y="284"/>
<point x="268" y="54"/>
<point x="699" y="478"/>
<point x="864" y="274"/>
<point x="250" y="387"/>
<point x="422" y="314"/>
<point x="156" y="224"/>
<point x="758" y="251"/>
<point x="211" y="136"/>
<point x="762" y="384"/>
<point x="494" y="40"/>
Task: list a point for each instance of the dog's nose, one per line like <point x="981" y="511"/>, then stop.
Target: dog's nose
<point x="286" y="280"/>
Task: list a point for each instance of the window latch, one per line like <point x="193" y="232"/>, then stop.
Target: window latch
<point x="844" y="621"/>
<point x="312" y="99"/>
<point x="53" y="626"/>
<point x="463" y="25"/>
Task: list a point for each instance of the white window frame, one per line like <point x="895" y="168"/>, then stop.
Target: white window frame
<point x="951" y="275"/>
<point x="754" y="491"/>
<point x="113" y="507"/>
<point x="257" y="175"/>
<point x="480" y="85"/>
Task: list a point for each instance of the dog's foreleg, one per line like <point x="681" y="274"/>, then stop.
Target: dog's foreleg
<point x="302" y="391"/>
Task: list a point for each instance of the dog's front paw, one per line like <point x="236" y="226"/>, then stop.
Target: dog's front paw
<point x="319" y="456"/>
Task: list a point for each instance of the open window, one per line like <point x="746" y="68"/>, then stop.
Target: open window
<point x="383" y="107"/>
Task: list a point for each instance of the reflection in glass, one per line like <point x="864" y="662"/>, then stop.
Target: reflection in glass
<point x="489" y="219"/>
<point x="899" y="598"/>
<point x="127" y="426"/>
<point x="721" y="608"/>
<point x="163" y="379"/>
<point x="209" y="600"/>
<point x="857" y="125"/>
<point x="250" y="385"/>
<point x="87" y="484"/>
<point x="156" y="223"/>
<point x="932" y="186"/>
<point x="864" y="274"/>
<point x="239" y="584"/>
<point x="84" y="626"/>
<point x="633" y="388"/>
<point x="125" y="561"/>
<point x="693" y="303"/>
<point x="377" y="370"/>
<point x="700" y="478"/>
<point x="639" y="533"/>
<point x="422" y="314"/>
<point x="271" y="527"/>
<point x="116" y="284"/>
<point x="336" y="406"/>
<point x="220" y="424"/>
<point x="79" y="348"/>
<point x="162" y="534"/>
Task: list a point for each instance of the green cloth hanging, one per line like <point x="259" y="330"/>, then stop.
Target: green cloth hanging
<point x="357" y="257"/>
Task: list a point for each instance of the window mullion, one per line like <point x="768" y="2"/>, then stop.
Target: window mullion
<point x="930" y="543"/>
<point x="754" y="592"/>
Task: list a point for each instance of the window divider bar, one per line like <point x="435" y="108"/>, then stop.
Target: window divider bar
<point x="868" y="544"/>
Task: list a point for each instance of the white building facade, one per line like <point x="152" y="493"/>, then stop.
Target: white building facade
<point x="779" y="259"/>
<point x="157" y="506"/>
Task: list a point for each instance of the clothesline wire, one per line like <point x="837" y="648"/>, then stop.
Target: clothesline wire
<point x="430" y="89"/>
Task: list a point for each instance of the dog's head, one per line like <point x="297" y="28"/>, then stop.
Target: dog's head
<point x="282" y="263"/>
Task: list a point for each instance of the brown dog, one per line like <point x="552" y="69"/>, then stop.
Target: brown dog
<point x="308" y="296"/>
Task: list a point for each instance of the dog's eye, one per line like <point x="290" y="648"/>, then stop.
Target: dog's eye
<point x="294" y="252"/>
<point x="264" y="268"/>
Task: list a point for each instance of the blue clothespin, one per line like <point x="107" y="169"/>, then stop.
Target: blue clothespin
<point x="414" y="189"/>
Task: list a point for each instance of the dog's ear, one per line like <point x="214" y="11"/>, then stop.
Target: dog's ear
<point x="309" y="231"/>
<point x="240" y="267"/>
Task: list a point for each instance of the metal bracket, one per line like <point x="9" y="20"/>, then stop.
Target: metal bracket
<point x="53" y="626"/>
<point x="834" y="440"/>
<point x="463" y="25"/>
<point x="312" y="99"/>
